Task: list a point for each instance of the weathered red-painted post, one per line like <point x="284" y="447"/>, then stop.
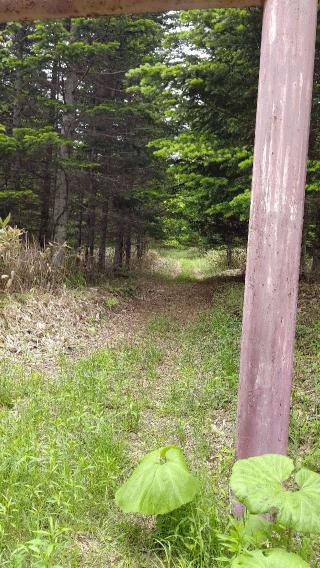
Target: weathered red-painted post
<point x="282" y="132"/>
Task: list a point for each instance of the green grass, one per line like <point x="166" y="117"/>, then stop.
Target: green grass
<point x="189" y="264"/>
<point x="68" y="442"/>
<point x="186" y="264"/>
<point x="112" y="302"/>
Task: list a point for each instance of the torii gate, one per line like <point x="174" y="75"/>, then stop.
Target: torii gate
<point x="276" y="217"/>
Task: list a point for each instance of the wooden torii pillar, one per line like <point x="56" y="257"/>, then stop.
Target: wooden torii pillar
<point x="275" y="230"/>
<point x="276" y="218"/>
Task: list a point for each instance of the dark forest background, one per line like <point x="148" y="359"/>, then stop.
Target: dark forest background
<point x="118" y="131"/>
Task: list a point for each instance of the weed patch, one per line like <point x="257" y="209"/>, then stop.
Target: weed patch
<point x="68" y="442"/>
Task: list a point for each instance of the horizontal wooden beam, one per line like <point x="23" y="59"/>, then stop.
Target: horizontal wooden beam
<point x="11" y="10"/>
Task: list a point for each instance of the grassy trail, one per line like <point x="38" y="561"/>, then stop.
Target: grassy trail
<point x="68" y="443"/>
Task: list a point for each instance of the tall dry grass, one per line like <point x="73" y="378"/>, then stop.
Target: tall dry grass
<point x="24" y="264"/>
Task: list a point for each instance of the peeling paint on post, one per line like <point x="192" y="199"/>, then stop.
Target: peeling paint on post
<point x="276" y="218"/>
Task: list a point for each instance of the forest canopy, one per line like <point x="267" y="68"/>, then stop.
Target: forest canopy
<point x="118" y="130"/>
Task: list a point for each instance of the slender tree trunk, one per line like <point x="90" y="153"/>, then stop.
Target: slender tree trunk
<point x="17" y="103"/>
<point x="44" y="233"/>
<point x="315" y="269"/>
<point x="141" y="246"/>
<point x="128" y="249"/>
<point x="92" y="236"/>
<point x="61" y="200"/>
<point x="103" y="237"/>
<point x="91" y="217"/>
<point x="45" y="191"/>
<point x="80" y="224"/>
<point x="118" y="251"/>
<point x="229" y="255"/>
<point x="18" y="49"/>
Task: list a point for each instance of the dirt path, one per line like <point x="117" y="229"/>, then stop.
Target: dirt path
<point x="39" y="329"/>
<point x="181" y="300"/>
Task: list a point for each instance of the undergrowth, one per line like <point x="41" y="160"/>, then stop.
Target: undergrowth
<point x="68" y="442"/>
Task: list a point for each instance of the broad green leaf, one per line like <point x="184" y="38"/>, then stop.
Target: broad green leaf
<point x="159" y="484"/>
<point x="258" y="483"/>
<point x="273" y="558"/>
<point x="301" y="509"/>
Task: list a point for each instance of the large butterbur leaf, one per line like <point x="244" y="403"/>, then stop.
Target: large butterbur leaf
<point x="276" y="558"/>
<point x="301" y="509"/>
<point x="159" y="484"/>
<point x="259" y="483"/>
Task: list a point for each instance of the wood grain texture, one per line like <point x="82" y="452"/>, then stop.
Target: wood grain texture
<point x="11" y="10"/>
<point x="279" y="174"/>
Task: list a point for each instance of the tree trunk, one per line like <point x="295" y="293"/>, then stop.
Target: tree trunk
<point x="128" y="249"/>
<point x="103" y="237"/>
<point x="276" y="216"/>
<point x="80" y="224"/>
<point x="45" y="191"/>
<point x="229" y="255"/>
<point x="91" y="217"/>
<point x="61" y="200"/>
<point x="18" y="50"/>
<point x="118" y="251"/>
<point x="44" y="233"/>
<point x="141" y="246"/>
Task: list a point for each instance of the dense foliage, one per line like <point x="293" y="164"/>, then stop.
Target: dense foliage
<point x="74" y="142"/>
<point x="115" y="130"/>
<point x="205" y="85"/>
<point x="204" y="89"/>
